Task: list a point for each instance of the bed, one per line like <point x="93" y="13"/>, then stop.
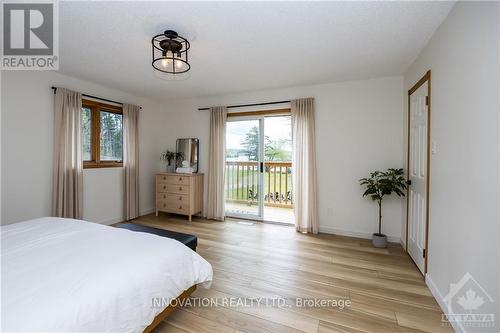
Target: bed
<point x="65" y="275"/>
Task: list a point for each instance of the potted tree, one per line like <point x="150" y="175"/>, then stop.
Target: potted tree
<point x="378" y="185"/>
<point x="168" y="156"/>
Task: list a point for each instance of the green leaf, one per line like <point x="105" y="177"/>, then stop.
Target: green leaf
<point x="382" y="183"/>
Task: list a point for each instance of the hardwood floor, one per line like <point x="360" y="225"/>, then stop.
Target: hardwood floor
<point x="386" y="291"/>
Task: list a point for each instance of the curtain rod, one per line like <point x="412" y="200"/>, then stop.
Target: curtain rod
<point x="95" y="97"/>
<point x="245" y="105"/>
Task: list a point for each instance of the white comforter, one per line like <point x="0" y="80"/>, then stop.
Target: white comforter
<point x="64" y="275"/>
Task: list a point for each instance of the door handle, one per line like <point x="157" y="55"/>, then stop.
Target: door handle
<point x="261" y="167"/>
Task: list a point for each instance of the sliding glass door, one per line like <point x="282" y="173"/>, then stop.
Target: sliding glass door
<point x="244" y="157"/>
<point x="258" y="182"/>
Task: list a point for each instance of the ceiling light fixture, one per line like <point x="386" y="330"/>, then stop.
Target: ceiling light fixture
<point x="170" y="53"/>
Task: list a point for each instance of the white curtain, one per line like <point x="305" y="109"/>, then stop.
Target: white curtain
<point x="217" y="163"/>
<point x="304" y="166"/>
<point x="131" y="160"/>
<point x="67" y="192"/>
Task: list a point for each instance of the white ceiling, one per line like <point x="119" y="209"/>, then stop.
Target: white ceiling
<point x="241" y="46"/>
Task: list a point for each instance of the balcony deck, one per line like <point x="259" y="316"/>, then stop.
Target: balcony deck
<point x="271" y="214"/>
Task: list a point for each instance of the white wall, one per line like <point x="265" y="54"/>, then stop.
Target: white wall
<point x="464" y="56"/>
<point x="27" y="145"/>
<point x="358" y="128"/>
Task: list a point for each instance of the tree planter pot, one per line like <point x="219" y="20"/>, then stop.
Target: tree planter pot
<point x="379" y="240"/>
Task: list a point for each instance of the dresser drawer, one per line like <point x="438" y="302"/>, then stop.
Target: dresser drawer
<point x="161" y="178"/>
<point x="177" y="198"/>
<point x="177" y="180"/>
<point x="173" y="179"/>
<point x="161" y="187"/>
<point x="173" y="207"/>
<point x="176" y="189"/>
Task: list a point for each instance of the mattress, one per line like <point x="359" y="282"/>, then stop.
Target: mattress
<point x="65" y="275"/>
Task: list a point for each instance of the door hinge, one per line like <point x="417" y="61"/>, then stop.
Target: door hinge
<point x="424" y="253"/>
<point x="427" y="100"/>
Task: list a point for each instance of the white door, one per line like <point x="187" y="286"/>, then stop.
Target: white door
<point x="418" y="154"/>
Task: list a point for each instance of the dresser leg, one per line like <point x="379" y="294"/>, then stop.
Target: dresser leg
<point x="157" y="212"/>
<point x="190" y="219"/>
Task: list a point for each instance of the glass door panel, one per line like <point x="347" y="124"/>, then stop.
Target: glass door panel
<point x="243" y="179"/>
<point x="278" y="201"/>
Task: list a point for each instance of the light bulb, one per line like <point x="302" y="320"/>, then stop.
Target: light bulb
<point x="179" y="64"/>
<point x="165" y="63"/>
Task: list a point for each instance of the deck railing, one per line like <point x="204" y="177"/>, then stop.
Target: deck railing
<point x="242" y="179"/>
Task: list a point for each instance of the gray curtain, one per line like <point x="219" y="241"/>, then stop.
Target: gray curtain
<point x="304" y="166"/>
<point x="216" y="163"/>
<point x="67" y="193"/>
<point x="131" y="160"/>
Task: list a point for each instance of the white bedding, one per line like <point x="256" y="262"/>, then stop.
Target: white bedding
<point x="65" y="275"/>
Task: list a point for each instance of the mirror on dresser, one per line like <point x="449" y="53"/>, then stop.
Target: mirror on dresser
<point x="189" y="148"/>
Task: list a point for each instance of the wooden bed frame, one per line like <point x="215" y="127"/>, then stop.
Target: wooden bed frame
<point x="168" y="310"/>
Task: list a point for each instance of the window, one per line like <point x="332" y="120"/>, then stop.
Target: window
<point x="102" y="135"/>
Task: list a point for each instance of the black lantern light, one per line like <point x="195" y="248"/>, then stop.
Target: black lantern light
<point x="170" y="53"/>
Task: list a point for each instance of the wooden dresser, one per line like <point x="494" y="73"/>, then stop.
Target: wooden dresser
<point x="179" y="193"/>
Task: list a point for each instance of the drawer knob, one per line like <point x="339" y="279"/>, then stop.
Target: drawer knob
<point x="180" y="188"/>
<point x="164" y="205"/>
<point x="180" y="207"/>
<point x="180" y="179"/>
<point x="164" y="196"/>
<point x="180" y="198"/>
<point x="164" y="187"/>
<point x="164" y="178"/>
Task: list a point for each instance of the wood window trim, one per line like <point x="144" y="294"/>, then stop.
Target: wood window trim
<point x="275" y="112"/>
<point x="96" y="108"/>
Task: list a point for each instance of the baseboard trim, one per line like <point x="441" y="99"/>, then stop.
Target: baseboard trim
<point x="147" y="211"/>
<point x="457" y="326"/>
<point x="358" y="234"/>
<point x="115" y="220"/>
<point x="111" y="221"/>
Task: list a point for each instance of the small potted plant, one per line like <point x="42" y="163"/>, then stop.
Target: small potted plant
<point x="378" y="185"/>
<point x="168" y="156"/>
<point x="178" y="159"/>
